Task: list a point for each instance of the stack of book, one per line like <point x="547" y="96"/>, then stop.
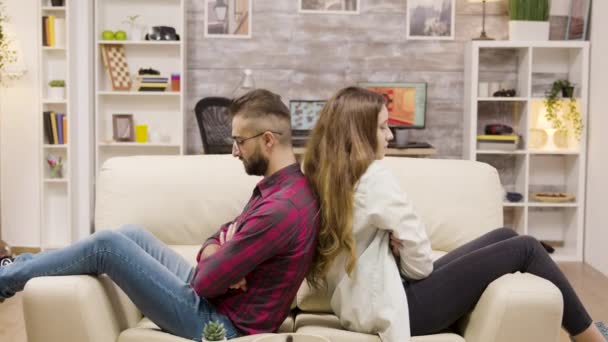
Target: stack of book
<point x="497" y="142"/>
<point x="151" y="83"/>
<point x="53" y="31"/>
<point x="55" y="128"/>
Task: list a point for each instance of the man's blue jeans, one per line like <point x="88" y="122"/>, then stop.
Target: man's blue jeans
<point x="154" y="277"/>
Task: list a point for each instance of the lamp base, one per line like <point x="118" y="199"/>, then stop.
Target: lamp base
<point x="483" y="36"/>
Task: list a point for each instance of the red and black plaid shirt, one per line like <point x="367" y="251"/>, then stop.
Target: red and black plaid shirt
<point x="273" y="247"/>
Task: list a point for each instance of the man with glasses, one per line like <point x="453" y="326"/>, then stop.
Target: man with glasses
<point x="252" y="268"/>
<point x="247" y="273"/>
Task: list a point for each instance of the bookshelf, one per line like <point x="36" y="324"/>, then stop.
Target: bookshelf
<point x="162" y="112"/>
<point x="56" y="121"/>
<point x="531" y="68"/>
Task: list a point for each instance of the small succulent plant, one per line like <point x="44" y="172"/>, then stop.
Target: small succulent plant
<point x="214" y="331"/>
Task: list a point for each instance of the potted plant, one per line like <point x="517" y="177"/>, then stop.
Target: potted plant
<point x="136" y="31"/>
<point x="214" y="331"/>
<point x="529" y="20"/>
<point x="56" y="89"/>
<point x="563" y="120"/>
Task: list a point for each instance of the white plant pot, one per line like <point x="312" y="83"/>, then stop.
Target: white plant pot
<point x="528" y="30"/>
<point x="56" y="93"/>
<point x="136" y="33"/>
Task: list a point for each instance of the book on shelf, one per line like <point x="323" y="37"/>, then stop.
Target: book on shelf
<point x="151" y="83"/>
<point x="497" y="142"/>
<point x="55" y="128"/>
<point x="53" y="31"/>
<point x="487" y="145"/>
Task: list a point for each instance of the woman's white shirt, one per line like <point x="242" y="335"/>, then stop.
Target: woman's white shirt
<point x="373" y="300"/>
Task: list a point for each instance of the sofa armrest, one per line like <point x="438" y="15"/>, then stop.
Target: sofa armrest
<point x="69" y="309"/>
<point x="516" y="307"/>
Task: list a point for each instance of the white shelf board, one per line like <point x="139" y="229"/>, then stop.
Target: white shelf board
<point x="53" y="48"/>
<point x="56" y="180"/>
<point x="51" y="101"/>
<point x="534" y="204"/>
<point x="53" y="8"/>
<point x="141" y="42"/>
<point x="134" y="144"/>
<point x="514" y="204"/>
<point x="554" y="152"/>
<point x="139" y="93"/>
<point x="502" y="99"/>
<point x="501" y="152"/>
<point x="55" y="146"/>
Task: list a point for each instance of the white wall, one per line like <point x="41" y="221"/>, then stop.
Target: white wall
<point x="20" y="131"/>
<point x="596" y="218"/>
<point x="19" y="153"/>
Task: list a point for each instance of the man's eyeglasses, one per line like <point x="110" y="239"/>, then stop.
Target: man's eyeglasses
<point x="238" y="141"/>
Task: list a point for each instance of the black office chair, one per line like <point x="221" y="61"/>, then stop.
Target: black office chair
<point x="215" y="124"/>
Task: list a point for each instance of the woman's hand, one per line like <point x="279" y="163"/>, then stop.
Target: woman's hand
<point x="396" y="244"/>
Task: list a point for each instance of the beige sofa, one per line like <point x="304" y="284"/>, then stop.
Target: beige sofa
<point x="184" y="199"/>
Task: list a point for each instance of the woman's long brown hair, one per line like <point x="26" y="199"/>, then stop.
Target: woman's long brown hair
<point x="342" y="145"/>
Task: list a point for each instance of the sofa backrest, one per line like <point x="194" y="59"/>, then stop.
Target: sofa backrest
<point x="184" y="199"/>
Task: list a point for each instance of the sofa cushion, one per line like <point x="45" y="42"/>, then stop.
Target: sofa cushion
<point x="337" y="335"/>
<point x="458" y="200"/>
<point x="147" y="331"/>
<point x="182" y="200"/>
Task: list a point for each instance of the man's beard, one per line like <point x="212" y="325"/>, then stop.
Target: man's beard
<point x="256" y="165"/>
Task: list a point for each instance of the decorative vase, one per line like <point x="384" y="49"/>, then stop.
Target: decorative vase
<point x="528" y="30"/>
<point x="136" y="33"/>
<point x="57" y="3"/>
<point x="56" y="93"/>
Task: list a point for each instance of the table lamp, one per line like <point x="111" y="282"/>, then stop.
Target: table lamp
<point x="483" y="35"/>
<point x="545" y="125"/>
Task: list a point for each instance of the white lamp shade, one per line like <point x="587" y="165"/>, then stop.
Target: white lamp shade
<point x="541" y="121"/>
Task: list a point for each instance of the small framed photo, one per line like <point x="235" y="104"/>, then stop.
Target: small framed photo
<point x="430" y="19"/>
<point x="578" y="20"/>
<point x="228" y="18"/>
<point x="304" y="113"/>
<point x="329" y="6"/>
<point x="406" y="102"/>
<point x="123" y="128"/>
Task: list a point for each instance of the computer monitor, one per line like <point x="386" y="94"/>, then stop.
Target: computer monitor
<point x="304" y="113"/>
<point x="406" y="103"/>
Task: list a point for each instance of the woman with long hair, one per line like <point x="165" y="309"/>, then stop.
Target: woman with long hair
<point x="374" y="251"/>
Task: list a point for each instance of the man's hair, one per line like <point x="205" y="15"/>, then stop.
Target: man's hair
<point x="266" y="111"/>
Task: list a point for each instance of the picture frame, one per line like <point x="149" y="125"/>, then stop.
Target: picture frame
<point x="406" y="103"/>
<point x="431" y="19"/>
<point x="304" y="113"/>
<point x="329" y="6"/>
<point x="578" y="20"/>
<point x="123" y="128"/>
<point x="223" y="21"/>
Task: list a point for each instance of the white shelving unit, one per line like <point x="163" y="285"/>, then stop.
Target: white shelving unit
<point x="163" y="112"/>
<point x="57" y="224"/>
<point x="531" y="68"/>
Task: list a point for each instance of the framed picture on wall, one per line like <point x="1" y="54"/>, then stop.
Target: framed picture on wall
<point x="329" y="6"/>
<point x="430" y="19"/>
<point x="578" y="20"/>
<point x="228" y="18"/>
<point x="406" y="102"/>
